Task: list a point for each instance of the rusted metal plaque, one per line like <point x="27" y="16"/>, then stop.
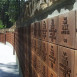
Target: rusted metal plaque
<point x="66" y="62"/>
<point x="39" y="30"/>
<point x="34" y="61"/>
<point x="44" y="52"/>
<point x="53" y="57"/>
<point x="75" y="67"/>
<point x="44" y="30"/>
<point x="34" y="73"/>
<point x="43" y="72"/>
<point x="76" y="32"/>
<point x="32" y="55"/>
<point x="39" y="64"/>
<point x="66" y="29"/>
<point x="34" y="45"/>
<point x="32" y="30"/>
<point x="52" y="29"/>
<point x="35" y="30"/>
<point x="51" y="73"/>
<point x="39" y="47"/>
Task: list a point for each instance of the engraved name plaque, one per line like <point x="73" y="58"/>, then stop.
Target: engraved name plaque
<point x="66" y="29"/>
<point x="51" y="73"/>
<point x="53" y="57"/>
<point x="44" y="30"/>
<point x="66" y="62"/>
<point x="52" y="29"/>
<point x="44" y="52"/>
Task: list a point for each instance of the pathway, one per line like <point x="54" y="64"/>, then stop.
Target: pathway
<point x="8" y="67"/>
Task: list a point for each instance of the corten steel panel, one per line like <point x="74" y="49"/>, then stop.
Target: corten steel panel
<point x="34" y="61"/>
<point x="34" y="44"/>
<point x="39" y="47"/>
<point x="32" y="55"/>
<point x="51" y="73"/>
<point x="66" y="29"/>
<point x="52" y="29"/>
<point x="66" y="62"/>
<point x="53" y="57"/>
<point x="39" y="64"/>
<point x="44" y="53"/>
<point x="34" y="73"/>
<point x="75" y="67"/>
<point x="39" y="30"/>
<point x="44" y="30"/>
<point x="43" y="72"/>
<point x="76" y="32"/>
<point x="35" y="30"/>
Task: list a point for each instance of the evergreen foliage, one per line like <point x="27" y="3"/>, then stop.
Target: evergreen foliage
<point x="9" y="12"/>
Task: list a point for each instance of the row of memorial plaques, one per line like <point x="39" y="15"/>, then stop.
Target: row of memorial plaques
<point x="60" y="29"/>
<point x="22" y="45"/>
<point x="2" y="38"/>
<point x="61" y="61"/>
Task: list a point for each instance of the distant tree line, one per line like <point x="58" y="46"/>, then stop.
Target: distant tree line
<point x="10" y="10"/>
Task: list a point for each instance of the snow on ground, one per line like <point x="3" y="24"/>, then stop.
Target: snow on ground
<point x="8" y="67"/>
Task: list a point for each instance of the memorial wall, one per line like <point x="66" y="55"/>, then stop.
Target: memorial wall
<point x="47" y="48"/>
<point x="53" y="42"/>
<point x="46" y="42"/>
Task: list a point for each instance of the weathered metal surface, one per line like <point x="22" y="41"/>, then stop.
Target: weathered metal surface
<point x="44" y="52"/>
<point x="34" y="44"/>
<point x="35" y="29"/>
<point x="34" y="73"/>
<point x="32" y="30"/>
<point x="39" y="64"/>
<point x="43" y="72"/>
<point x="34" y="61"/>
<point x="66" y="29"/>
<point x="76" y="32"/>
<point x="51" y="73"/>
<point x="52" y="29"/>
<point x="44" y="30"/>
<point x="39" y="47"/>
<point x="75" y="67"/>
<point x="66" y="62"/>
<point x="39" y="30"/>
<point x="53" y="57"/>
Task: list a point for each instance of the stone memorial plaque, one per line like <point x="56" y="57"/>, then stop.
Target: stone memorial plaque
<point x="66" y="62"/>
<point x="32" y="30"/>
<point x="52" y="29"/>
<point x="53" y="57"/>
<point x="51" y="73"/>
<point x="66" y="29"/>
<point x="44" y="52"/>
<point x="44" y="30"/>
